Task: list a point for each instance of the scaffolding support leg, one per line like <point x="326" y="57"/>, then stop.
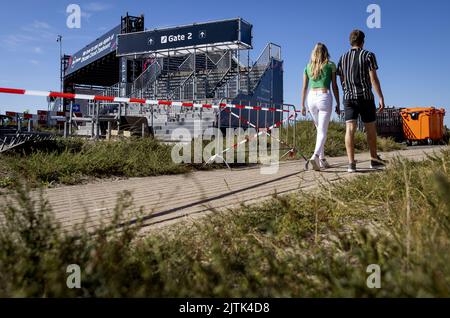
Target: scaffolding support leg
<point x="108" y="134"/>
<point x="70" y="118"/>
<point x="97" y="120"/>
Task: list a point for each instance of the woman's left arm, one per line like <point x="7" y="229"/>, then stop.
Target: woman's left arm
<point x="336" y="93"/>
<point x="304" y="92"/>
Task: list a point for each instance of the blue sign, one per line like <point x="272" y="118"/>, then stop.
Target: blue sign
<point x="76" y="108"/>
<point x="101" y="47"/>
<point x="195" y="35"/>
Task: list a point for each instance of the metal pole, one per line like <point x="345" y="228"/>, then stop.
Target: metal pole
<point x="108" y="135"/>
<point x="92" y="126"/>
<point x="118" y="118"/>
<point x="257" y="118"/>
<point x="239" y="69"/>
<point x="48" y="117"/>
<point x="219" y="131"/>
<point x="70" y="118"/>
<point x="169" y="74"/>
<point x="97" y="120"/>
<point x="65" y="129"/>
<point x="194" y="80"/>
<point x="288" y="126"/>
<point x="248" y="71"/>
<point x="273" y="114"/>
<point x="61" y="75"/>
<point x="229" y="118"/>
<point x="295" y="127"/>
<point x="271" y="80"/>
<point x="61" y="70"/>
<point x="265" y="119"/>
<point x="153" y="127"/>
<point x="240" y="116"/>
<point x="207" y="73"/>
<point x="219" y="121"/>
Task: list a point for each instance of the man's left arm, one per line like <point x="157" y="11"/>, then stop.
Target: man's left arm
<point x="377" y="87"/>
<point x="373" y="67"/>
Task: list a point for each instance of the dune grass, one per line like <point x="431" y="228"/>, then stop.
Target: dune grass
<point x="70" y="161"/>
<point x="305" y="138"/>
<point x="303" y="245"/>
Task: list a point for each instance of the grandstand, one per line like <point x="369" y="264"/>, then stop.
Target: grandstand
<point x="202" y="62"/>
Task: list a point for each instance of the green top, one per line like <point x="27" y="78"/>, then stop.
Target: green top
<point x="324" y="80"/>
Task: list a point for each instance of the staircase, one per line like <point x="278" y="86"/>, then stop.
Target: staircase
<point x="144" y="84"/>
<point x="202" y="77"/>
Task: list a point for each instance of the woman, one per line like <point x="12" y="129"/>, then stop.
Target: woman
<point x="319" y="74"/>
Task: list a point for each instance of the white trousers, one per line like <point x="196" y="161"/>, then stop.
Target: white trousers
<point x="320" y="106"/>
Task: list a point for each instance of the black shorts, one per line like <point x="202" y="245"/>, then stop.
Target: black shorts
<point x="360" y="107"/>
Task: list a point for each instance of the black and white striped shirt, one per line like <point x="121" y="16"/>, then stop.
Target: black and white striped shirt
<point x="353" y="68"/>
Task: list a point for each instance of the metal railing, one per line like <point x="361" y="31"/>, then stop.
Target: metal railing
<point x="221" y="76"/>
<point x="263" y="62"/>
<point x="146" y="79"/>
<point x="389" y="123"/>
<point x="112" y="91"/>
<point x="183" y="89"/>
<point x="286" y="137"/>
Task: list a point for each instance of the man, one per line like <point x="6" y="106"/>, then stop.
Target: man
<point x="358" y="72"/>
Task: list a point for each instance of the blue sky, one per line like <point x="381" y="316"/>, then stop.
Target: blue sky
<point x="412" y="45"/>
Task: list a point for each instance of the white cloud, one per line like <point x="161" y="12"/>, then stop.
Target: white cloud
<point x="13" y="41"/>
<point x="86" y="15"/>
<point x="96" y="7"/>
<point x="40" y="25"/>
<point x="34" y="62"/>
<point x="35" y="34"/>
<point x="88" y="10"/>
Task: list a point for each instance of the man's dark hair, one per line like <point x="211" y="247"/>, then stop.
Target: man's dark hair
<point x="357" y="38"/>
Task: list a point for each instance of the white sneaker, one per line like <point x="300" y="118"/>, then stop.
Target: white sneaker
<point x="324" y="164"/>
<point x="315" y="162"/>
<point x="351" y="167"/>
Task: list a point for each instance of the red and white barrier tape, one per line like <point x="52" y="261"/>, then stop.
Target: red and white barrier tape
<point x="264" y="131"/>
<point x="135" y="100"/>
<point x="245" y="121"/>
